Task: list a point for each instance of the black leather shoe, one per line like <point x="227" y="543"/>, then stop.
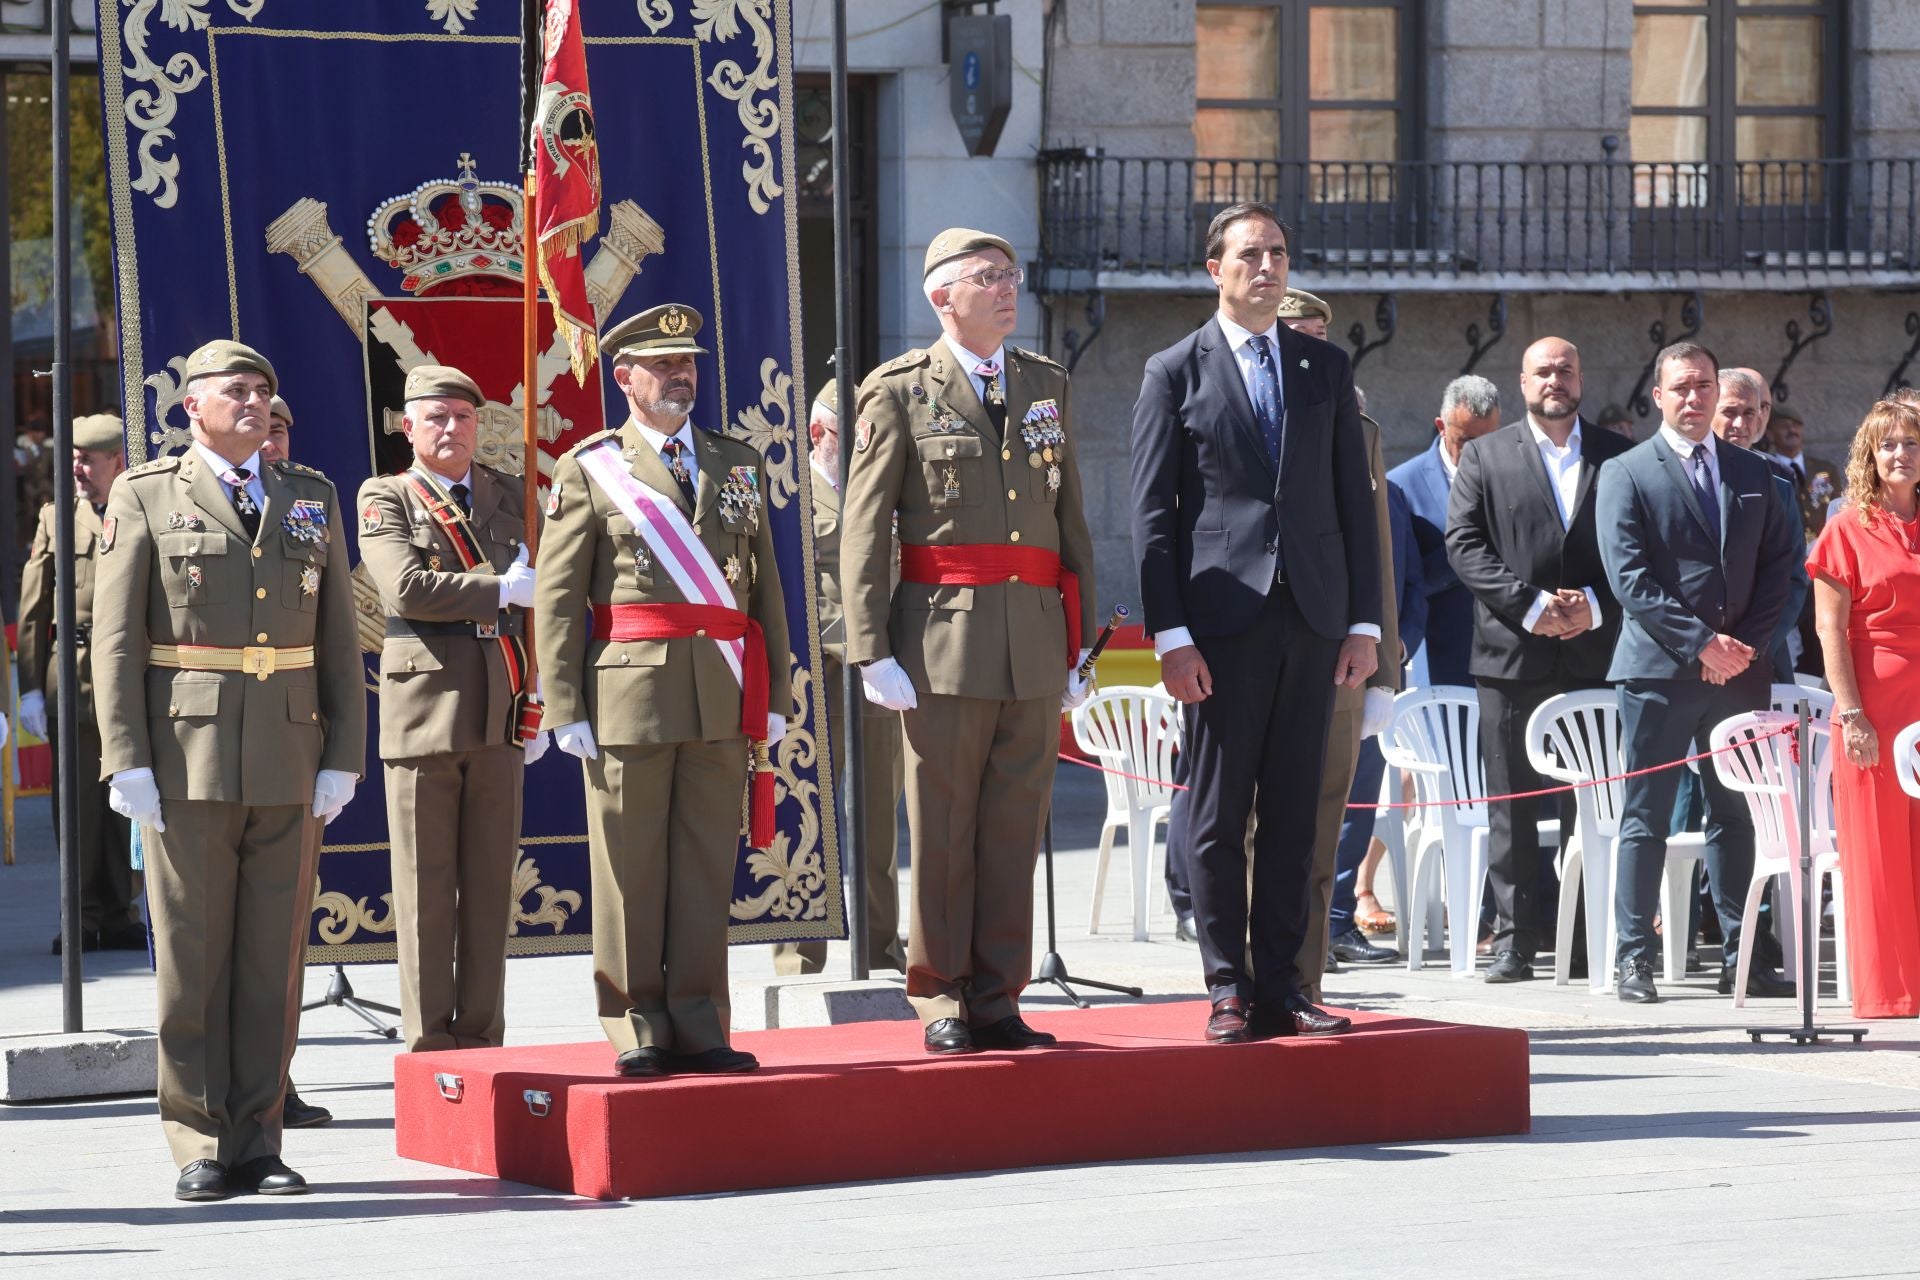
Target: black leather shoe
<point x="1762" y="981"/>
<point x="642" y="1064"/>
<point x="1228" y="1022"/>
<point x="1634" y="982"/>
<point x="302" y="1115"/>
<point x="949" y="1035"/>
<point x="1011" y="1033"/>
<point x="723" y="1061"/>
<point x="131" y="937"/>
<point x="269" y="1176"/>
<point x="1183" y="930"/>
<point x="1332" y="965"/>
<point x="202" y="1180"/>
<point x="1510" y="966"/>
<point x="89" y="941"/>
<point x="1302" y="1017"/>
<point x="1353" y="947"/>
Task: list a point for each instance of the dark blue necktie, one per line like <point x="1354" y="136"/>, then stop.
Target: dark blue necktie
<point x="1703" y="489"/>
<point x="1266" y="395"/>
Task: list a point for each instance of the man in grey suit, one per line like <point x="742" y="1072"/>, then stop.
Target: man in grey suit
<point x="1698" y="553"/>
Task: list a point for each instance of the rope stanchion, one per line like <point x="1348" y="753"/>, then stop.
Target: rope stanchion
<point x="1513" y="795"/>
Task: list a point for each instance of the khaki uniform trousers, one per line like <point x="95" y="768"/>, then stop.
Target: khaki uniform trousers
<point x="231" y="888"/>
<point x="1336" y="782"/>
<point x="664" y="826"/>
<point x="979" y="784"/>
<point x="108" y="882"/>
<point x="885" y="778"/>
<point x="455" y="818"/>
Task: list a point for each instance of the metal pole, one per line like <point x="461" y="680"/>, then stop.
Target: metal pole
<point x="1809" y="886"/>
<point x="10" y="550"/>
<point x="853" y="835"/>
<point x="532" y="55"/>
<point x="67" y="767"/>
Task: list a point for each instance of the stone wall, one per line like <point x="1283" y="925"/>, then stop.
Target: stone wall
<point x="1885" y="77"/>
<point x="1517" y="81"/>
<point x="1123" y="77"/>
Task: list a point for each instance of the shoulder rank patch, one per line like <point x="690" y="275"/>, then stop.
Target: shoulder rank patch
<point x="862" y="435"/>
<point x="553" y="499"/>
<point x="168" y="463"/>
<point x="107" y="527"/>
<point x="370" y="517"/>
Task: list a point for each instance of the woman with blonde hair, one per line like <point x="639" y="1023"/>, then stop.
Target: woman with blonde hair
<point x="1866" y="592"/>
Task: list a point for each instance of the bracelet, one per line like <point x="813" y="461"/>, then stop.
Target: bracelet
<point x="1847" y="717"/>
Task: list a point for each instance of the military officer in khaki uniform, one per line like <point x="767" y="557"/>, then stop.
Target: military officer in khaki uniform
<point x="881" y="767"/>
<point x="277" y="447"/>
<point x="232" y="708"/>
<point x="108" y="883"/>
<point x="971" y="442"/>
<point x="659" y="603"/>
<point x="1357" y="713"/>
<point x="443" y="544"/>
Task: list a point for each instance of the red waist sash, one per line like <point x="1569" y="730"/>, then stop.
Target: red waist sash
<point x="624" y="622"/>
<point x="982" y="564"/>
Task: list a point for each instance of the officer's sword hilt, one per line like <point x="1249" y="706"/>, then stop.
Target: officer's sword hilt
<point x="1114" y="622"/>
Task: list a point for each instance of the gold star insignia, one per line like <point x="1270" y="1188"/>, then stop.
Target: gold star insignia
<point x="309" y="581"/>
<point x="733" y="568"/>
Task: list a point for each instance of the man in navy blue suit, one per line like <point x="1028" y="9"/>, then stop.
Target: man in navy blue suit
<point x="1698" y="552"/>
<point x="1469" y="409"/>
<point x="1260" y="581"/>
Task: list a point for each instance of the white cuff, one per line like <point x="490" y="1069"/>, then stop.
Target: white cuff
<point x="1540" y="603"/>
<point x="1165" y="642"/>
<point x="505" y="590"/>
<point x="1371" y="630"/>
<point x="1593" y="603"/>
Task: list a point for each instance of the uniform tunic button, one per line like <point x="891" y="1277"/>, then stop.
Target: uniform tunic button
<point x="1012" y="495"/>
<point x="259" y="593"/>
<point x="1006" y="455"/>
<point x="258" y="552"/>
<point x="702" y="633"/>
<point x="409" y="664"/>
<point x="1015" y="535"/>
<point x="314" y="715"/>
<point x="261" y="638"/>
<point x="173" y="710"/>
<point x="625" y="659"/>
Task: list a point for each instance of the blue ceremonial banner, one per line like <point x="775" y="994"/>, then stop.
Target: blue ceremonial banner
<point x="336" y="183"/>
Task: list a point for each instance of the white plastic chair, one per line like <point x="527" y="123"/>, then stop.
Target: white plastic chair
<point x="1786" y="698"/>
<point x="1134" y="730"/>
<point x="1575" y="737"/>
<point x="1758" y="763"/>
<point x="1435" y="736"/>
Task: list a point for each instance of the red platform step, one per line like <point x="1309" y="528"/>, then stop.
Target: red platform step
<point x="840" y="1104"/>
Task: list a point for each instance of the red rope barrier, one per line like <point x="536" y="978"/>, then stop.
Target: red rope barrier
<point x="1516" y="795"/>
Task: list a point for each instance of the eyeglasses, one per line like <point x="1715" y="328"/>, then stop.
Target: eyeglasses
<point x="993" y="277"/>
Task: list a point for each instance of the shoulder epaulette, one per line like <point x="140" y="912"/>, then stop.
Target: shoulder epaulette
<point x="916" y="356"/>
<point x="595" y="438"/>
<point x="169" y="463"/>
<point x="1037" y="358"/>
<point x="505" y="477"/>
<point x="288" y="466"/>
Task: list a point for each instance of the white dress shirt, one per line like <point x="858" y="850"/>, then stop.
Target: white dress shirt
<point x="1683" y="447"/>
<point x="221" y="466"/>
<point x="1240" y="339"/>
<point x="1563" y="477"/>
<point x="969" y="361"/>
<point x="1798" y="465"/>
<point x="688" y="454"/>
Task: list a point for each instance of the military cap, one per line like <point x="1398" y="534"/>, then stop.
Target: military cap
<point x="227" y="356"/>
<point x="958" y="242"/>
<point x="828" y="397"/>
<point x="666" y="330"/>
<point x="100" y="432"/>
<point x="442" y="382"/>
<point x="281" y="411"/>
<point x="1301" y="305"/>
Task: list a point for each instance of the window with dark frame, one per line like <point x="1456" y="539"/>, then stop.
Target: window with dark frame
<point x="1749" y="89"/>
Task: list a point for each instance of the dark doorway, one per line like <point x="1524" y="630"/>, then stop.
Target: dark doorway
<point x="813" y="162"/>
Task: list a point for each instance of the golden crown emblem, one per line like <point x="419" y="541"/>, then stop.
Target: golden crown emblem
<point x="448" y="230"/>
<point x="674" y="322"/>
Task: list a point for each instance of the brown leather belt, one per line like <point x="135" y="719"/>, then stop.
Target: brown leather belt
<point x="261" y="661"/>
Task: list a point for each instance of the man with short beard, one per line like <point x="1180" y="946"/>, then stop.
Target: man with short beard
<point x="1521" y="534"/>
<point x="662" y="641"/>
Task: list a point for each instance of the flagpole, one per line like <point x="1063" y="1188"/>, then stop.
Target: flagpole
<point x="532" y="13"/>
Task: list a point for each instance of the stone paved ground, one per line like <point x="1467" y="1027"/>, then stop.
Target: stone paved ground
<point x="1663" y="1143"/>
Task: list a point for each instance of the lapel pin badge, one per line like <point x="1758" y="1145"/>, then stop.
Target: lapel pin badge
<point x="1303" y="364"/>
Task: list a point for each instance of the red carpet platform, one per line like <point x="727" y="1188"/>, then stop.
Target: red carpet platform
<point x="840" y="1104"/>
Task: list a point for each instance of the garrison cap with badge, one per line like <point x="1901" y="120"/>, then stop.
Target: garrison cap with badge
<point x="442" y="382"/>
<point x="99" y="433"/>
<point x="958" y="242"/>
<point x="228" y="356"/>
<point x="1298" y="304"/>
<point x="666" y="330"/>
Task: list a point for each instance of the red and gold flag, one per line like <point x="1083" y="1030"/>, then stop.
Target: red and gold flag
<point x="566" y="207"/>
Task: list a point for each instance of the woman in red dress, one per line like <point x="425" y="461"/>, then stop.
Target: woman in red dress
<point x="1866" y="594"/>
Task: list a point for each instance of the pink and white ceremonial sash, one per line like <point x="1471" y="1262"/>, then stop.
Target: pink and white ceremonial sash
<point x="675" y="543"/>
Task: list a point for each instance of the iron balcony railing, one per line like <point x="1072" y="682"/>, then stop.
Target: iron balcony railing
<point x="1118" y="222"/>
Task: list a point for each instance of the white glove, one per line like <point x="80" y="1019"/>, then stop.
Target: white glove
<point x="1079" y="689"/>
<point x="576" y="739"/>
<point x="776" y="729"/>
<point x="3" y="729"/>
<point x="516" y="584"/>
<point x="887" y="685"/>
<point x="132" y="793"/>
<point x="33" y="714"/>
<point x="332" y="789"/>
<point x="536" y="746"/>
<point x="1375" y="712"/>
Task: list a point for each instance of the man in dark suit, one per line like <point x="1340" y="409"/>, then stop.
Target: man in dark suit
<point x="1698" y="555"/>
<point x="1520" y="533"/>
<point x="1260" y="580"/>
<point x="1470" y="408"/>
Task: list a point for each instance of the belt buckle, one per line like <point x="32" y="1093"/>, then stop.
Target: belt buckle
<point x="487" y="630"/>
<point x="259" y="661"/>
